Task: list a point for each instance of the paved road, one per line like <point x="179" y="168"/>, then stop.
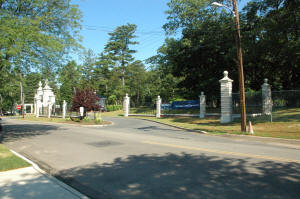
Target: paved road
<point x="141" y="159"/>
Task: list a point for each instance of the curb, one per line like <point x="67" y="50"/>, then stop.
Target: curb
<point x="53" y="179"/>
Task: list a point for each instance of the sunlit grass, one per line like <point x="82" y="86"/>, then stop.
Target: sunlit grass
<point x="61" y="120"/>
<point x="10" y="161"/>
<point x="286" y="123"/>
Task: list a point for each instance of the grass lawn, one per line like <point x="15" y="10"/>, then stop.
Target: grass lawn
<point x="9" y="161"/>
<point x="286" y="124"/>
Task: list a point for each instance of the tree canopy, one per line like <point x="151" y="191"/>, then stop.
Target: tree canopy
<point x="36" y="33"/>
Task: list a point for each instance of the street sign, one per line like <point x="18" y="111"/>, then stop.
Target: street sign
<point x="18" y="107"/>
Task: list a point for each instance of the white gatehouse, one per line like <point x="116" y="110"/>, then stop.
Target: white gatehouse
<point x="44" y="98"/>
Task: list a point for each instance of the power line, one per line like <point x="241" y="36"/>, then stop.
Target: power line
<point x="111" y="29"/>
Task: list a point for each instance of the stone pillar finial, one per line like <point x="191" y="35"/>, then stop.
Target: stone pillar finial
<point x="266" y="80"/>
<point x="202" y="105"/>
<point x="226" y="98"/>
<point x="225" y="74"/>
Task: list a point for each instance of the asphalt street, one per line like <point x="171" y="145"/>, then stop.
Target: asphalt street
<point x="135" y="158"/>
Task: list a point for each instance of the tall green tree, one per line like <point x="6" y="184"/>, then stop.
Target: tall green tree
<point x="103" y="73"/>
<point x="119" y="48"/>
<point x="31" y="83"/>
<point x="69" y="77"/>
<point x="88" y="79"/>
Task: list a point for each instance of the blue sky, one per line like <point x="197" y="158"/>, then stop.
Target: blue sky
<point x="103" y="16"/>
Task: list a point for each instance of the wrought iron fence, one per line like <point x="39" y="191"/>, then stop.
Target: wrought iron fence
<point x="286" y="99"/>
<point x="253" y="102"/>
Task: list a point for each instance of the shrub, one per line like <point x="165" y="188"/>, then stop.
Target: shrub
<point x="110" y="108"/>
<point x="87" y="99"/>
<point x="98" y="119"/>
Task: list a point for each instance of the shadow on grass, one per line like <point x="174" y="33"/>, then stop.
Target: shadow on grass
<point x="12" y="132"/>
<point x="282" y="115"/>
<point x="208" y="121"/>
<point x="185" y="176"/>
<point x="142" y="110"/>
<point x="276" y="117"/>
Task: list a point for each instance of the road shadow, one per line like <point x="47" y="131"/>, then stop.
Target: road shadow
<point x="185" y="176"/>
<point x="12" y="132"/>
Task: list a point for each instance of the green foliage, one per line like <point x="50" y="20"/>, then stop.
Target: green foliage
<point x="9" y="90"/>
<point x="31" y="83"/>
<point x="118" y="48"/>
<point x="34" y="36"/>
<point x="88" y="75"/>
<point x="112" y="99"/>
<point x="195" y="61"/>
<point x="69" y="77"/>
<point x="98" y="119"/>
<point x="86" y="119"/>
<point x="110" y="108"/>
<point x="36" y="33"/>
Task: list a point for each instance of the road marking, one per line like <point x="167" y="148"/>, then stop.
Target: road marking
<point x="222" y="152"/>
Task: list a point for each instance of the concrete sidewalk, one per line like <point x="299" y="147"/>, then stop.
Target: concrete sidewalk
<point x="33" y="183"/>
<point x="30" y="183"/>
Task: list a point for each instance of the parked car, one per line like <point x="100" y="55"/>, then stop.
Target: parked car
<point x="7" y="113"/>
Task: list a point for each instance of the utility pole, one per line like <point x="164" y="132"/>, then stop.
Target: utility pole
<point x="240" y="67"/>
<point x="240" y="59"/>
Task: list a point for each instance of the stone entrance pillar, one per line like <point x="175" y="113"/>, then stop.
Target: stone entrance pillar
<point x="266" y="98"/>
<point x="64" y="108"/>
<point x="49" y="110"/>
<point x="226" y="98"/>
<point x="202" y="105"/>
<point x="38" y="106"/>
<point x="158" y="107"/>
<point x="126" y="105"/>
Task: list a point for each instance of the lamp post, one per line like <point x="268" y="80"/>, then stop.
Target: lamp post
<point x="240" y="60"/>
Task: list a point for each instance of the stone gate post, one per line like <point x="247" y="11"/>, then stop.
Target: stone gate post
<point x="38" y="106"/>
<point x="202" y="105"/>
<point x="226" y="98"/>
<point x="158" y="107"/>
<point x="126" y="105"/>
<point x="49" y="110"/>
<point x="266" y="98"/>
<point x="64" y="109"/>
